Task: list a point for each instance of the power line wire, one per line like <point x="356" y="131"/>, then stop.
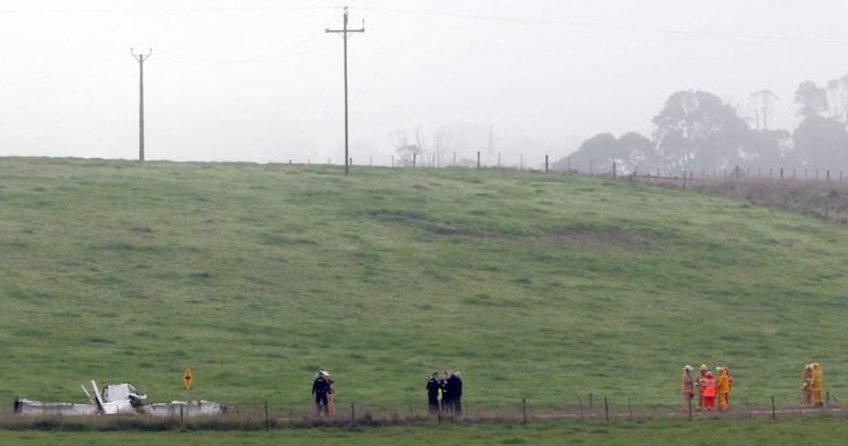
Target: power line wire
<point x="488" y="18"/>
<point x="299" y="48"/>
<point x="603" y="26"/>
<point x="166" y="10"/>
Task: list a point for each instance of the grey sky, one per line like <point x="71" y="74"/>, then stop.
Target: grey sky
<point x="262" y="81"/>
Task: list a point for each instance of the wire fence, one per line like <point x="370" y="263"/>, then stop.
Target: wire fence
<point x="546" y="163"/>
<point x="454" y="159"/>
<point x="582" y="408"/>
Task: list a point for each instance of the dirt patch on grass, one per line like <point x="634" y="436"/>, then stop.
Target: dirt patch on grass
<point x="422" y="221"/>
<point x="580" y="236"/>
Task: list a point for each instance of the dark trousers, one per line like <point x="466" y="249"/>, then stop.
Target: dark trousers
<point x="321" y="402"/>
<point x="433" y="403"/>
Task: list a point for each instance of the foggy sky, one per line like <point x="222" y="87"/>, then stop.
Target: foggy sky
<point x="262" y="81"/>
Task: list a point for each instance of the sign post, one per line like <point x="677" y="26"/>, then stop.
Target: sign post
<point x="187" y="378"/>
<point x="187" y="381"/>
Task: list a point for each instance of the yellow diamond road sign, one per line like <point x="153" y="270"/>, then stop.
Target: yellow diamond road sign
<point x="187" y="378"/>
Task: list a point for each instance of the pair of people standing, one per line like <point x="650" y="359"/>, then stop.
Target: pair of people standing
<point x="323" y="389"/>
<point x="812" y="385"/>
<point x="709" y="388"/>
<point x="446" y="390"/>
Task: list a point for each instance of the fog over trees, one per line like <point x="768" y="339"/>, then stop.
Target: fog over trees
<point x="698" y="131"/>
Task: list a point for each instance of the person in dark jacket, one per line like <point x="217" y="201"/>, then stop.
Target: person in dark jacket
<point x="433" y="387"/>
<point x="454" y="388"/>
<point x="321" y="389"/>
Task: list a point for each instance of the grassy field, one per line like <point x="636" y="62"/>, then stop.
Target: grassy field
<point x="535" y="286"/>
<point x="821" y="431"/>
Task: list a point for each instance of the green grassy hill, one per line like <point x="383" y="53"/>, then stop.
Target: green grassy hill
<point x="532" y="285"/>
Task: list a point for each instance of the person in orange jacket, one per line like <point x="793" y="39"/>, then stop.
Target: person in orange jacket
<point x="723" y="389"/>
<point x="708" y="391"/>
<point x="687" y="387"/>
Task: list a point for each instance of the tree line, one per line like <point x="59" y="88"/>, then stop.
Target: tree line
<point x="698" y="131"/>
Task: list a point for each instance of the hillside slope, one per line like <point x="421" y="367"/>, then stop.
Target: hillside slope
<point x="532" y="285"/>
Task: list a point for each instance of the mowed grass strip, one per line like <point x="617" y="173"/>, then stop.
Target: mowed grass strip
<point x="534" y="286"/>
<point x="820" y="431"/>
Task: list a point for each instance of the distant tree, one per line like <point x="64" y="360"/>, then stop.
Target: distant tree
<point x="596" y="151"/>
<point x="424" y="148"/>
<point x="408" y="152"/>
<point x="811" y="100"/>
<point x="822" y="143"/>
<point x="768" y="148"/>
<point x="696" y="130"/>
<point x="442" y="142"/>
<point x="837" y="99"/>
<point x="599" y="152"/>
<point x="762" y="104"/>
<point x="637" y="152"/>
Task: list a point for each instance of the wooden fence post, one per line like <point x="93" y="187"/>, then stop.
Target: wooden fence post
<point x="690" y="410"/>
<point x="606" y="409"/>
<point x="580" y="402"/>
<point x="523" y="410"/>
<point x="773" y="412"/>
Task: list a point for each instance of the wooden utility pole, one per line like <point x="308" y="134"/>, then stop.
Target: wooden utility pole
<point x="141" y="58"/>
<point x="344" y="32"/>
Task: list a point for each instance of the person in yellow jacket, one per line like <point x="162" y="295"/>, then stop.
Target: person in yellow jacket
<point x="723" y="389"/>
<point x="818" y="383"/>
<point x="807" y="386"/>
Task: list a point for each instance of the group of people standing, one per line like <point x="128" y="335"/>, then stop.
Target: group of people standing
<point x="444" y="393"/>
<point x="812" y="383"/>
<point x="709" y="388"/>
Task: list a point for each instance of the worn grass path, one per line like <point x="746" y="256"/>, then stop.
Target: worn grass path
<point x="534" y="286"/>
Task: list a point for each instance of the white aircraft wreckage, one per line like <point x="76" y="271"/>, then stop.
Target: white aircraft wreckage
<point x="118" y="399"/>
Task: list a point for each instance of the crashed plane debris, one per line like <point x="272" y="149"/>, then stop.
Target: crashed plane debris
<point x="118" y="399"/>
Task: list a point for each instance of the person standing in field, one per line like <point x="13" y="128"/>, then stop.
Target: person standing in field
<point x="447" y="404"/>
<point x="433" y="387"/>
<point x="699" y="383"/>
<point x="723" y="389"/>
<point x="807" y="386"/>
<point x="708" y="392"/>
<point x="455" y="390"/>
<point x="321" y="390"/>
<point x="818" y="384"/>
<point x="687" y="387"/>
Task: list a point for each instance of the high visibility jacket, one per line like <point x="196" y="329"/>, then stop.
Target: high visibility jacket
<point x="723" y="383"/>
<point x="709" y="387"/>
<point x="818" y="376"/>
